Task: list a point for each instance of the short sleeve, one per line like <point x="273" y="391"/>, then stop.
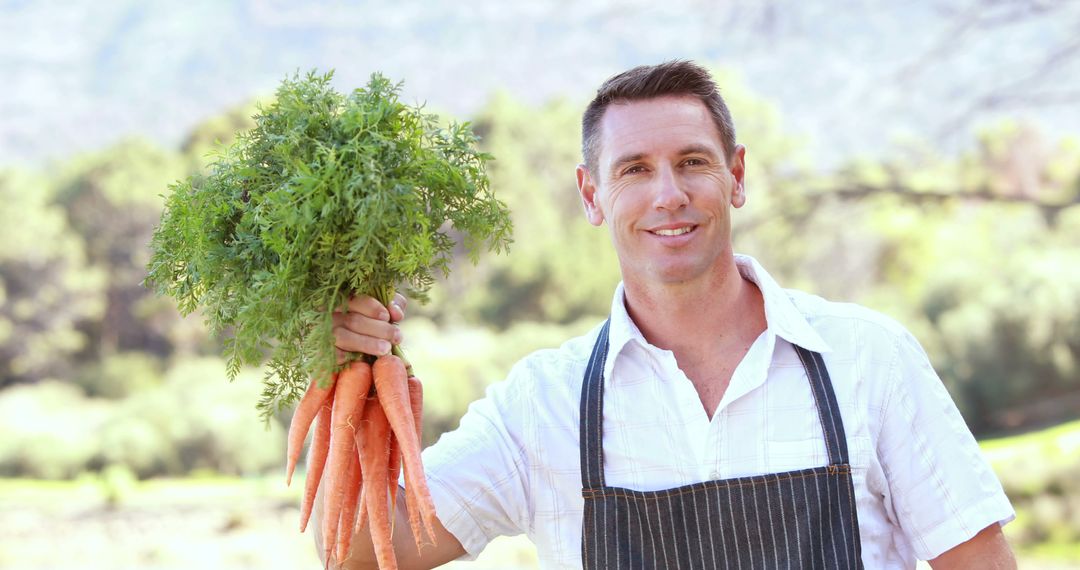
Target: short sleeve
<point x="943" y="490"/>
<point x="476" y="473"/>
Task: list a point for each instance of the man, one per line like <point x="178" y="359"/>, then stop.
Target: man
<point x="715" y="420"/>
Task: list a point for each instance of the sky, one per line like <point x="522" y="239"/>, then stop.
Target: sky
<point x="852" y="77"/>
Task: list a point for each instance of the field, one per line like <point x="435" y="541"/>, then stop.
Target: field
<point x="171" y="524"/>
<point x="113" y="522"/>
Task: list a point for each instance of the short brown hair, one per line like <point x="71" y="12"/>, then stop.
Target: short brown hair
<point x="678" y="77"/>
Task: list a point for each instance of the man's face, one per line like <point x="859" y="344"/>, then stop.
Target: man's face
<point x="665" y="188"/>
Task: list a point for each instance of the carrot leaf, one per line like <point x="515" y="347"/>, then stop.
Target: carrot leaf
<point x="330" y="195"/>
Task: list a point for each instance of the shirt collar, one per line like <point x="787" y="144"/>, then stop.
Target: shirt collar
<point x="782" y="317"/>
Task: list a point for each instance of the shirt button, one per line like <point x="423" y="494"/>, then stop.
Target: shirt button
<point x="714" y="476"/>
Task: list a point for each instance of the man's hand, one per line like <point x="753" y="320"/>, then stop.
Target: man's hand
<point x="368" y="327"/>
<point x="987" y="549"/>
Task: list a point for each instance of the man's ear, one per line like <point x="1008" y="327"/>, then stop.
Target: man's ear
<point x="738" y="171"/>
<point x="587" y="189"/>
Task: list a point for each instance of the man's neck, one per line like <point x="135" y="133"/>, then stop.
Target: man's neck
<point x="708" y="326"/>
<point x="715" y="313"/>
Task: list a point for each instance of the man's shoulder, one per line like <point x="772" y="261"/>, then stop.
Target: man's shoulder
<point x="827" y="317"/>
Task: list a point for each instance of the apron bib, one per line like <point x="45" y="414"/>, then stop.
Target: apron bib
<point x="797" y="519"/>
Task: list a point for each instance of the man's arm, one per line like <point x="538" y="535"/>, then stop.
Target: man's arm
<point x="987" y="549"/>
<point x="445" y="549"/>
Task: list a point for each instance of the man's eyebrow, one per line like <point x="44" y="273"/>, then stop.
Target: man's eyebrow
<point x="697" y="149"/>
<point x="626" y="158"/>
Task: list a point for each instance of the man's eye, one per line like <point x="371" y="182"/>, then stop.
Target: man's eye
<point x="634" y="169"/>
<point x="694" y="162"/>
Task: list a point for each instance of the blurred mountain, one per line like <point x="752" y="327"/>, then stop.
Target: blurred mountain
<point x="852" y="77"/>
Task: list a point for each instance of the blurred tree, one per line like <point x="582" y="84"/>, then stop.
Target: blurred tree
<point x="46" y="285"/>
<point x="559" y="267"/>
<point x="976" y="255"/>
<point x="214" y="133"/>
<point x="120" y="375"/>
<point x="1007" y="317"/>
<point x="113" y="201"/>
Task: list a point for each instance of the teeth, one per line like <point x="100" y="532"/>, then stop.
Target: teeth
<point x="676" y="232"/>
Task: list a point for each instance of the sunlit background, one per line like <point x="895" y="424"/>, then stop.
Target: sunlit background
<point x="919" y="158"/>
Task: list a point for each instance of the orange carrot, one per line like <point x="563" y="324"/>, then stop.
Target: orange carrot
<point x="416" y="404"/>
<point x="348" y="512"/>
<point x="320" y="448"/>
<point x="392" y="386"/>
<point x="394" y="469"/>
<point x="305" y="412"/>
<point x="349" y="397"/>
<point x="362" y="517"/>
<point x="375" y="461"/>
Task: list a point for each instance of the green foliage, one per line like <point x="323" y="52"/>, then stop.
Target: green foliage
<point x="50" y="430"/>
<point x="46" y="285"/>
<point x="975" y="255"/>
<point x="1040" y="472"/>
<point x="216" y="133"/>
<point x="462" y="361"/>
<point x="119" y="376"/>
<point x="189" y="421"/>
<point x="328" y="196"/>
<point x="199" y="422"/>
<point x="1012" y="338"/>
<point x="112" y="198"/>
<point x="562" y="267"/>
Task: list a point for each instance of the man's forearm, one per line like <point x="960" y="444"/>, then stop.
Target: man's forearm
<point x="987" y="549"/>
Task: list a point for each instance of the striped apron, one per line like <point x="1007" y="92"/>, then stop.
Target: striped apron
<point x="797" y="519"/>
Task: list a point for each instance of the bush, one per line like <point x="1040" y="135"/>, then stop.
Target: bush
<point x="194" y="419"/>
<point x="120" y="375"/>
<point x="50" y="430"/>
<point x="213" y="423"/>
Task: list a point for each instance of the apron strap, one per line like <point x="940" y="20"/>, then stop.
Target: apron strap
<point x="828" y="410"/>
<point x="590" y="426"/>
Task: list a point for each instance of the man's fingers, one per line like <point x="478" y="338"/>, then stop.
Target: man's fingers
<point x="397" y="308"/>
<point x="367" y="326"/>
<point x="346" y="340"/>
<point x="369" y="307"/>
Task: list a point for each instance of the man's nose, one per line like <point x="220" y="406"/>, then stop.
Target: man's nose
<point x="670" y="194"/>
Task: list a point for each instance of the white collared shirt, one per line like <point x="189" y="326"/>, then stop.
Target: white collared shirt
<point x="921" y="483"/>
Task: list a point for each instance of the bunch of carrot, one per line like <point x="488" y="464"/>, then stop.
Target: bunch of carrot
<point x="368" y="423"/>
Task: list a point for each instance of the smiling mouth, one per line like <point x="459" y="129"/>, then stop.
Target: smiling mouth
<point x="675" y="232"/>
